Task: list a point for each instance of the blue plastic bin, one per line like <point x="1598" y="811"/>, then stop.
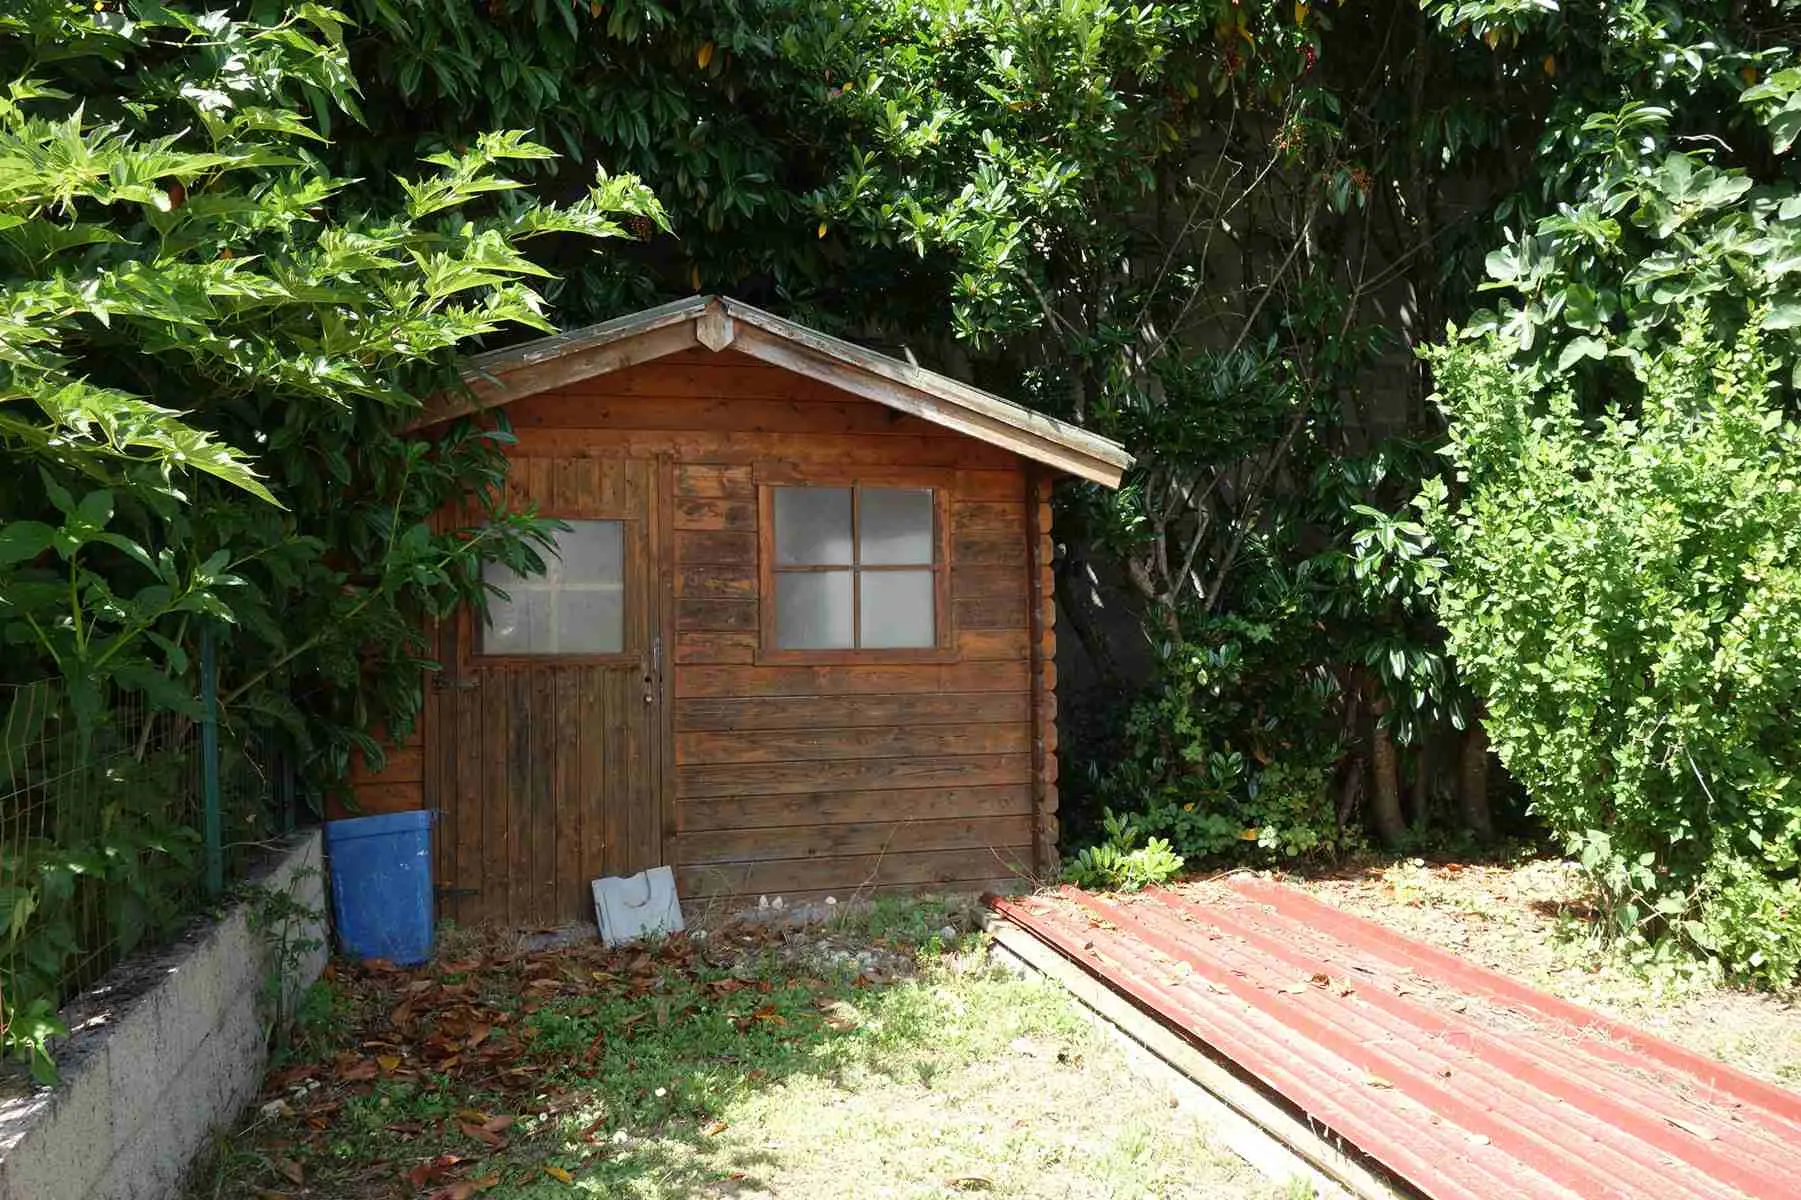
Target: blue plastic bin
<point x="381" y="888"/>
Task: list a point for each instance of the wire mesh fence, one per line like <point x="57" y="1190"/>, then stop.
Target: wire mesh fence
<point x="115" y="831"/>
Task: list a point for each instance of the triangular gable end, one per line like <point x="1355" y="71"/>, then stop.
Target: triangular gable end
<point x="715" y="322"/>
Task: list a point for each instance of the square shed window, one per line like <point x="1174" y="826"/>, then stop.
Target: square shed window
<point x="855" y="568"/>
<point x="576" y="607"/>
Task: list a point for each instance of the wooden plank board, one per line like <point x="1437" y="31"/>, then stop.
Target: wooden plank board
<point x="732" y="547"/>
<point x="991" y="583"/>
<point x="716" y="581"/>
<point x="865" y="743"/>
<point x="810" y="712"/>
<point x="842" y="681"/>
<point x="706" y="646"/>
<point x="832" y="808"/>
<point x="715" y="615"/>
<point x="490" y="902"/>
<point x="546" y="797"/>
<point x="569" y="892"/>
<point x="714" y="481"/>
<point x="986" y="615"/>
<point x="730" y="779"/>
<point x="591" y="801"/>
<point x="781" y="876"/>
<point x="1001" y="643"/>
<point x="714" y="512"/>
<point x="385" y="796"/>
<point x="732" y="446"/>
<point x="612" y="797"/>
<point x="838" y="840"/>
<point x="729" y="374"/>
<point x="1000" y="483"/>
<point x="517" y="867"/>
<point x="990" y="516"/>
<point x="818" y="414"/>
<point x="1043" y="630"/>
<point x="987" y="547"/>
<point x="662" y="665"/>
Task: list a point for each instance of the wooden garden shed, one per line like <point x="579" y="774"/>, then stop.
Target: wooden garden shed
<point x="797" y="640"/>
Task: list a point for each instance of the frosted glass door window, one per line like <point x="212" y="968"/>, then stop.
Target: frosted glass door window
<point x="576" y="607"/>
<point x="855" y="568"/>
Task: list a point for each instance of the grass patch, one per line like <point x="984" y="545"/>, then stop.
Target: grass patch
<point x="755" y="1061"/>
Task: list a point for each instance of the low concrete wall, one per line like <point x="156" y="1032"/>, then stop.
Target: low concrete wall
<point x="163" y="1053"/>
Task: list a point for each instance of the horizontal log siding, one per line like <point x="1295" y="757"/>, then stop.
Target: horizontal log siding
<point x="809" y="781"/>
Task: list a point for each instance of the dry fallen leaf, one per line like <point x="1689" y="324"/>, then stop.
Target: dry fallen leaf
<point x="432" y="1170"/>
<point x="714" y="1129"/>
<point x="1376" y="1081"/>
<point x="558" y="1173"/>
<point x="465" y="1189"/>
<point x="292" y="1170"/>
<point x="483" y="1135"/>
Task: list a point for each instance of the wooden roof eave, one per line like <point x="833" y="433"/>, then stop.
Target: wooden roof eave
<point x="503" y="376"/>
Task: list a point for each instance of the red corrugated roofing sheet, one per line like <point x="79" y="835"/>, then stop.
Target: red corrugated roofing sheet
<point x="1462" y="1082"/>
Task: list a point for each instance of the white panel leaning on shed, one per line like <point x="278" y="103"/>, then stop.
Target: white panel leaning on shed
<point x="634" y="906"/>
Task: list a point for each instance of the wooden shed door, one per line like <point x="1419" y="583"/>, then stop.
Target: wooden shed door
<point x="545" y="731"/>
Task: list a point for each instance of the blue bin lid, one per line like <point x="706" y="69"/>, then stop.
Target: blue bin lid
<point x="379" y="825"/>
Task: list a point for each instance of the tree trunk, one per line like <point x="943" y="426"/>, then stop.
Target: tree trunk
<point x="1385" y="786"/>
<point x="1419" y="796"/>
<point x="1472" y="784"/>
<point x="1350" y="791"/>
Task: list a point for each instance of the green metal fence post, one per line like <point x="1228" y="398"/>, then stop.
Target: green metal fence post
<point x="209" y="765"/>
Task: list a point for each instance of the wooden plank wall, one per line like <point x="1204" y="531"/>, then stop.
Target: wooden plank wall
<point x="808" y="781"/>
<point x="397" y="787"/>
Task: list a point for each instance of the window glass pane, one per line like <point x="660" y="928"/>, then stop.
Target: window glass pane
<point x="576" y="607"/>
<point x="813" y="610"/>
<point x="896" y="526"/>
<point x="521" y="624"/>
<point x="812" y="526"/>
<point x="897" y="609"/>
<point x="591" y="620"/>
<point x="592" y="552"/>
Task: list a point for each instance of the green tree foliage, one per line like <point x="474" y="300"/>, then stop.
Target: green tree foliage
<point x="1625" y="591"/>
<point x="210" y="345"/>
<point x="1667" y="181"/>
<point x="1619" y="530"/>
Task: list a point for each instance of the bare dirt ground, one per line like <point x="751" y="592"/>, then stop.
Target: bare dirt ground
<point x="1531" y="920"/>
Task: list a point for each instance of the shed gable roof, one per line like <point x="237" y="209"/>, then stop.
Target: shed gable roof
<point x="502" y="376"/>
